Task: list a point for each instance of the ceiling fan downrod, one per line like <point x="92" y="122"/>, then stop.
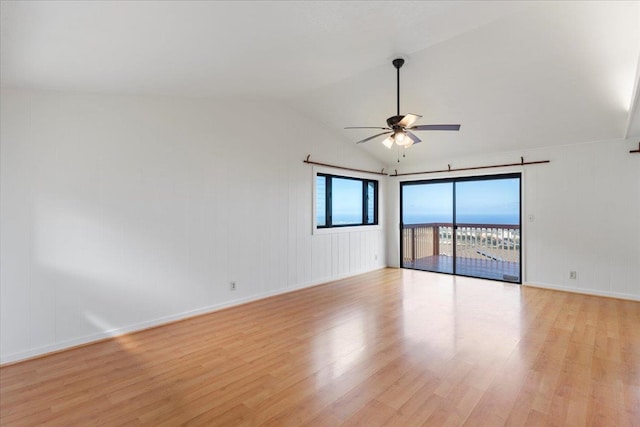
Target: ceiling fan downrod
<point x="398" y="63"/>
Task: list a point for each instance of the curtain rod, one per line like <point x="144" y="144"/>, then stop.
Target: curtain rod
<point x="342" y="167"/>
<point x="636" y="151"/>
<point x="449" y="169"/>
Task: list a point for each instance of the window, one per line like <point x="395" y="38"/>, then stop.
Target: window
<point x="345" y="201"/>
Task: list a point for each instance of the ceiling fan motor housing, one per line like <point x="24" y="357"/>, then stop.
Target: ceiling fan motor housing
<point x="393" y="121"/>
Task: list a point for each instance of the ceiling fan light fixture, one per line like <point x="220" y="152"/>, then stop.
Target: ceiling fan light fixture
<point x="402" y="139"/>
<point x="388" y="142"/>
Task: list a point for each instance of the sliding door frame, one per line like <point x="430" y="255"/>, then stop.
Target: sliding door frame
<point x="454" y="180"/>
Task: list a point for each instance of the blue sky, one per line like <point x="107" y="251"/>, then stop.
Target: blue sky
<point x="432" y="199"/>
<point x="347" y="197"/>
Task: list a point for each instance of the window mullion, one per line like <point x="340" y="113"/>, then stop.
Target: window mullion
<point x="328" y="202"/>
<point x="364" y="202"/>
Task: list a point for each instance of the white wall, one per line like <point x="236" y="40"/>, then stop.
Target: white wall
<point x="586" y="208"/>
<point x="120" y="212"/>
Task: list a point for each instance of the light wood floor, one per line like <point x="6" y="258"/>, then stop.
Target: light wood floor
<point x="392" y="347"/>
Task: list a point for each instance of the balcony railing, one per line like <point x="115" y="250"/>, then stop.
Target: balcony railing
<point x="421" y="243"/>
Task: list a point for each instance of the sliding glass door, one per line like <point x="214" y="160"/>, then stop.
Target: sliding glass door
<point x="467" y="226"/>
<point x="427" y="233"/>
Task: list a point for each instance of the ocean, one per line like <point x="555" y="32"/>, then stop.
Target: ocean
<point x="476" y="218"/>
<point x="473" y="218"/>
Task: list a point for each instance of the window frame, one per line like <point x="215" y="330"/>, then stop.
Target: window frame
<point x="329" y="227"/>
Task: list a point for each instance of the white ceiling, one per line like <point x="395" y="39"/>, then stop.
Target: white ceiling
<point x="514" y="74"/>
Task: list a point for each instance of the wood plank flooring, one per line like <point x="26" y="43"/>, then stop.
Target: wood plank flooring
<point x="392" y="347"/>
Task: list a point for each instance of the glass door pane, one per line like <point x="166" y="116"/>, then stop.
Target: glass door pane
<point x="487" y="218"/>
<point x="427" y="226"/>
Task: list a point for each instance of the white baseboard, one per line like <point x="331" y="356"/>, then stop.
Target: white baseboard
<point x="584" y="291"/>
<point x="87" y="339"/>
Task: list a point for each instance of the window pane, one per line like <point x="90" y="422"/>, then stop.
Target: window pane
<point x="371" y="202"/>
<point x="321" y="206"/>
<point x="346" y="201"/>
<point x="492" y="201"/>
<point x="427" y="203"/>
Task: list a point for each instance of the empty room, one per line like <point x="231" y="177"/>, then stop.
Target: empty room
<point x="320" y="213"/>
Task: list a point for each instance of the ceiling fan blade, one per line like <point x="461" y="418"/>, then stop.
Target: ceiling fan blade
<point x="408" y="120"/>
<point x="436" y="127"/>
<point x="371" y="137"/>
<point x="414" y="138"/>
<point x="366" y="127"/>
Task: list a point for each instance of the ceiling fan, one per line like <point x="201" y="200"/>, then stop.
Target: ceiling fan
<point x="398" y="127"/>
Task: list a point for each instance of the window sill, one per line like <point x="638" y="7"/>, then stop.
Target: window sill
<point x="348" y="229"/>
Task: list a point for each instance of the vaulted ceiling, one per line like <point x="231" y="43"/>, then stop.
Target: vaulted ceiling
<point x="516" y="75"/>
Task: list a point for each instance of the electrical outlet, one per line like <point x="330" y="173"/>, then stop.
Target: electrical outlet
<point x="232" y="286"/>
<point x="573" y="275"/>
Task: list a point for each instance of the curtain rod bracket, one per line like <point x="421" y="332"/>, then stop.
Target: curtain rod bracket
<point x="308" y="155"/>
<point x="449" y="166"/>
<point x="636" y="151"/>
<point x="522" y="160"/>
